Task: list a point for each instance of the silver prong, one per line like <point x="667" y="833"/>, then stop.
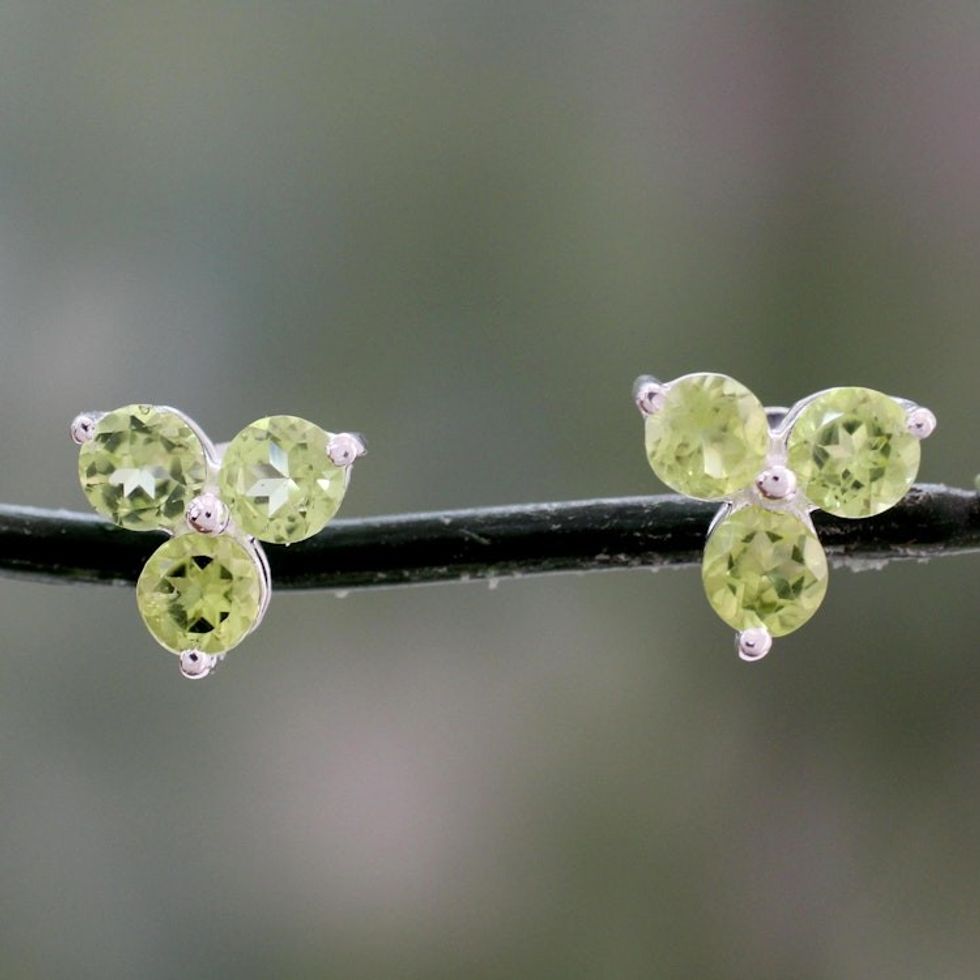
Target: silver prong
<point x="920" y="422"/>
<point x="82" y="427"/>
<point x="648" y="394"/>
<point x="194" y="664"/>
<point x="776" y="483"/>
<point x="754" y="643"/>
<point x="344" y="447"/>
<point x="207" y="514"/>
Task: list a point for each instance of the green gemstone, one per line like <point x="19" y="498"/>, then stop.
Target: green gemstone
<point x="709" y="438"/>
<point x="764" y="568"/>
<point x="200" y="593"/>
<point x="852" y="453"/>
<point x="279" y="482"/>
<point x="142" y="467"/>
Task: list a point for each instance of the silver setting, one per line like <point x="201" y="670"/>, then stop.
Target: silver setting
<point x="780" y="430"/>
<point x="776" y="487"/>
<point x="726" y="509"/>
<point x="921" y="422"/>
<point x="344" y="447"/>
<point x="754" y="643"/>
<point x="776" y="483"/>
<point x="207" y="514"/>
<point x="195" y="665"/>
<point x="648" y="394"/>
<point x="211" y="455"/>
<point x="265" y="578"/>
<point x="775" y="415"/>
<point x="82" y="428"/>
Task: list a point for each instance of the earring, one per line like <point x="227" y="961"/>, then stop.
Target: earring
<point x="151" y="468"/>
<point x="852" y="452"/>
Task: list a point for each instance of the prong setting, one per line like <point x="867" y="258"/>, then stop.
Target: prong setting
<point x="648" y="394"/>
<point x="212" y="566"/>
<point x="344" y="447"/>
<point x="921" y="422"/>
<point x="195" y="665"/>
<point x="82" y="428"/>
<point x="776" y="483"/>
<point x="207" y="514"/>
<point x="754" y="643"/>
<point x="849" y="451"/>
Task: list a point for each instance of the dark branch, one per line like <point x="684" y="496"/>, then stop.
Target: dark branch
<point x="492" y="542"/>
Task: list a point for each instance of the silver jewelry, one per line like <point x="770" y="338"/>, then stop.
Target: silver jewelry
<point x="152" y="468"/>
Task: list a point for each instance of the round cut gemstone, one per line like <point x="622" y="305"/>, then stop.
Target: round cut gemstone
<point x="852" y="452"/>
<point x="199" y="592"/>
<point x="764" y="568"/>
<point x="709" y="438"/>
<point x="142" y="467"/>
<point x="278" y="480"/>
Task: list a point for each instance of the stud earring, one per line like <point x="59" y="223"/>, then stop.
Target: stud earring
<point x="151" y="468"/>
<point x="852" y="452"/>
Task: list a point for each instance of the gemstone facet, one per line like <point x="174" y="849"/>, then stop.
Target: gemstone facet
<point x="200" y="593"/>
<point x="709" y="437"/>
<point x="852" y="452"/>
<point x="764" y="568"/>
<point x="142" y="467"/>
<point x="278" y="480"/>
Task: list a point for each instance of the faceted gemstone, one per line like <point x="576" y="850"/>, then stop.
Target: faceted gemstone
<point x="142" y="467"/>
<point x="278" y="480"/>
<point x="852" y="452"/>
<point x="764" y="568"/>
<point x="199" y="592"/>
<point x="709" y="438"/>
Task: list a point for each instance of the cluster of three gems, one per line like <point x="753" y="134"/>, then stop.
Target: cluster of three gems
<point x="853" y="452"/>
<point x="280" y="480"/>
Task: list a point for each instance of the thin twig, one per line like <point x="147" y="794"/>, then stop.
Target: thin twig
<point x="488" y="543"/>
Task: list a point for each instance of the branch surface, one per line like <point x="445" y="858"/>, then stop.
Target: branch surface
<point x="490" y="542"/>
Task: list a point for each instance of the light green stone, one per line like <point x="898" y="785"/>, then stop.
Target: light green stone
<point x="142" y="467"/>
<point x="764" y="568"/>
<point x="200" y="593"/>
<point x="852" y="453"/>
<point x="279" y="482"/>
<point x="710" y="437"/>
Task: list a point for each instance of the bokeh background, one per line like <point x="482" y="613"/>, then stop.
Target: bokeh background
<point x="463" y="227"/>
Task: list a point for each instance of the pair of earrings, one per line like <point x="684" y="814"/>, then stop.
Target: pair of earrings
<point x="853" y="452"/>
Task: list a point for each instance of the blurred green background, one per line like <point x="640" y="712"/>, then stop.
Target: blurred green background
<point x="463" y="227"/>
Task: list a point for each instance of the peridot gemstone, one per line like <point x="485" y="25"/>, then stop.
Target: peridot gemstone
<point x="852" y="453"/>
<point x="764" y="568"/>
<point x="709" y="438"/>
<point x="142" y="467"/>
<point x="200" y="593"/>
<point x="278" y="481"/>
